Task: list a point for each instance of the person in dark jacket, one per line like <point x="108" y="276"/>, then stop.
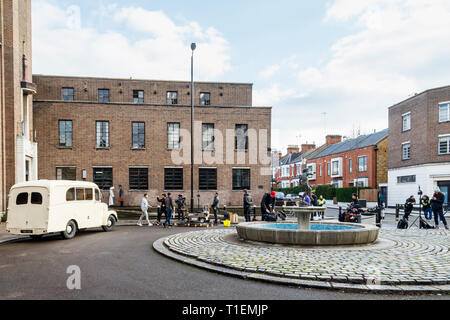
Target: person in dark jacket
<point x="409" y="204"/>
<point x="355" y="202"/>
<point x="180" y="202"/>
<point x="121" y="195"/>
<point x="162" y="209"/>
<point x="215" y="206"/>
<point x="426" y="205"/>
<point x="437" y="205"/>
<point x="268" y="207"/>
<point x="169" y="209"/>
<point x="247" y="205"/>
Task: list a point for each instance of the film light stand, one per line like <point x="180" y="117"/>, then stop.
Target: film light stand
<point x="420" y="193"/>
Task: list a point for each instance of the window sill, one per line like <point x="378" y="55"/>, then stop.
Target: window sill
<point x="240" y="150"/>
<point x="138" y="149"/>
<point x="101" y="148"/>
<point x="406" y="130"/>
<point x="69" y="148"/>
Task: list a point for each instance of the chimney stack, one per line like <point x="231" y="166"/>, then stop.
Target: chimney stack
<point x="293" y="149"/>
<point x="308" y="147"/>
<point x="333" y="139"/>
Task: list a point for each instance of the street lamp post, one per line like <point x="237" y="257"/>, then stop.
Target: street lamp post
<point x="193" y="46"/>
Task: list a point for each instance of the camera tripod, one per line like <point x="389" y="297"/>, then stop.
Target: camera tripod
<point x="420" y="211"/>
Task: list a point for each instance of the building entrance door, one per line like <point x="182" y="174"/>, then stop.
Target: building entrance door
<point x="445" y="189"/>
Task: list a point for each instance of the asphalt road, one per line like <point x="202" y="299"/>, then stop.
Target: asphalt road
<point x="123" y="265"/>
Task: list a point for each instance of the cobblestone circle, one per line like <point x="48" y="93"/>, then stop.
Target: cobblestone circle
<point x="411" y="257"/>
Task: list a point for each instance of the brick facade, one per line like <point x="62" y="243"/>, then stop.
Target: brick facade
<point x="424" y="132"/>
<point x="15" y="95"/>
<point x="85" y="111"/>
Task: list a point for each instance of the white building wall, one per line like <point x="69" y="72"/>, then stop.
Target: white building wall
<point x="427" y="177"/>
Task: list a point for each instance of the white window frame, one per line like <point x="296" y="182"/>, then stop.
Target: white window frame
<point x="339" y="171"/>
<point x="408" y="127"/>
<point x="442" y="137"/>
<point x="313" y="171"/>
<point x="403" y="150"/>
<point x="448" y="111"/>
<point x="359" y="165"/>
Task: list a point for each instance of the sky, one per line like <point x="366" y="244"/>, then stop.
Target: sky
<point x="324" y="66"/>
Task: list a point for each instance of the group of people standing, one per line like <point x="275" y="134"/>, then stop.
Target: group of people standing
<point x="166" y="207"/>
<point x="432" y="207"/>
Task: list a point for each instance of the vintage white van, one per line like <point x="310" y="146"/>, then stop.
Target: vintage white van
<point x="41" y="207"/>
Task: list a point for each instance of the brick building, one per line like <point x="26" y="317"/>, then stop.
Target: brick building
<point x="360" y="161"/>
<point x="127" y="132"/>
<point x="18" y="151"/>
<point x="289" y="168"/>
<point x="419" y="145"/>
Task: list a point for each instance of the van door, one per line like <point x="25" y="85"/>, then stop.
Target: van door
<point x="98" y="207"/>
<point x="28" y="209"/>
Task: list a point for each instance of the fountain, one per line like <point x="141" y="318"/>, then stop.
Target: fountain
<point x="305" y="232"/>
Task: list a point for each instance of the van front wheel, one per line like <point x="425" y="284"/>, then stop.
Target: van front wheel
<point x="109" y="224"/>
<point x="70" y="231"/>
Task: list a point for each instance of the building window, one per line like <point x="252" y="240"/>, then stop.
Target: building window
<point x="138" y="135"/>
<point x="335" y="168"/>
<point x="444" y="144"/>
<point x="207" y="136"/>
<point x="173" y="178"/>
<point x="350" y="165"/>
<point x="241" y="179"/>
<point x="406" y="179"/>
<point x="207" y="179"/>
<point x="406" y="119"/>
<point x="67" y="94"/>
<point x="65" y="133"/>
<point x="138" y="96"/>
<point x="172" y="97"/>
<point x="241" y="137"/>
<point x="406" y="151"/>
<point x="173" y="135"/>
<point x="102" y="134"/>
<point x="328" y="169"/>
<point x="444" y="112"/>
<point x="103" y="177"/>
<point x="138" y="178"/>
<point x="205" y="98"/>
<point x="66" y="173"/>
<point x="103" y="95"/>
<point x="362" y="164"/>
<point x="320" y="170"/>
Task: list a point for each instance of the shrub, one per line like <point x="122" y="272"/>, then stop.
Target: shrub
<point x="327" y="191"/>
<point x="345" y="194"/>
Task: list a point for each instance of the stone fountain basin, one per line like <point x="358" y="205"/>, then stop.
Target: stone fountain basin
<point x="260" y="231"/>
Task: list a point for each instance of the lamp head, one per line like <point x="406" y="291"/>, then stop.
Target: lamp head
<point x="193" y="46"/>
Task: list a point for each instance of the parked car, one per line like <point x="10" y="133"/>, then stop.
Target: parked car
<point x="291" y="197"/>
<point x="42" y="207"/>
<point x="280" y="196"/>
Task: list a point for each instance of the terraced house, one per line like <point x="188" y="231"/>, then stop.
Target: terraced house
<point x="359" y="161"/>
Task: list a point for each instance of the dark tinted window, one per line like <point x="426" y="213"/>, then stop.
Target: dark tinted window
<point x="103" y="177"/>
<point x="36" y="198"/>
<point x="139" y="178"/>
<point x="70" y="194"/>
<point x="207" y="178"/>
<point x="22" y="198"/>
<point x="241" y="179"/>
<point x="97" y="195"/>
<point x="173" y="178"/>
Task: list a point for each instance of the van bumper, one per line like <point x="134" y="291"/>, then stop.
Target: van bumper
<point x="26" y="231"/>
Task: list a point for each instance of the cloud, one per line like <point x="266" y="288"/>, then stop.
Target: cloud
<point x="62" y="45"/>
<point x="269" y="71"/>
<point x="396" y="48"/>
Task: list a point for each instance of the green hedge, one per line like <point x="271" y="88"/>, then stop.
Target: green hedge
<point x="327" y="191"/>
<point x="345" y="194"/>
<point x="294" y="190"/>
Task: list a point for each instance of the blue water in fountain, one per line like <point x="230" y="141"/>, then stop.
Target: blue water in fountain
<point x="293" y="226"/>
